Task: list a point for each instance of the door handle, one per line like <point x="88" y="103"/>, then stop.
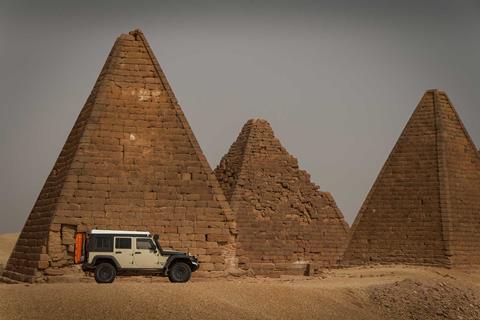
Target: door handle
<point x="118" y="251"/>
<point x="137" y="252"/>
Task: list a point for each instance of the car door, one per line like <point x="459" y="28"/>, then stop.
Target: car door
<point x="146" y="255"/>
<point x="124" y="251"/>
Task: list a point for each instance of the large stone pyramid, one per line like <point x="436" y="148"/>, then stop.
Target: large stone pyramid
<point x="283" y="220"/>
<point x="424" y="207"/>
<point x="131" y="162"/>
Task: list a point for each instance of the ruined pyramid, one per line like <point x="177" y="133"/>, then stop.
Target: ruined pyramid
<point x="131" y="162"/>
<point x="424" y="207"/>
<point x="284" y="222"/>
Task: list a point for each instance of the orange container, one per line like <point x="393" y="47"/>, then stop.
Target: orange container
<point x="79" y="247"/>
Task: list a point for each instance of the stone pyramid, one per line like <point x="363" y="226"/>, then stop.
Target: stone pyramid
<point x="130" y="162"/>
<point x="284" y="222"/>
<point x="424" y="207"/>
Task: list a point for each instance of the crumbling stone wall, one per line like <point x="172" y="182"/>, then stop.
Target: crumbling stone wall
<point x="284" y="222"/>
<point x="424" y="206"/>
<point x="131" y="162"/>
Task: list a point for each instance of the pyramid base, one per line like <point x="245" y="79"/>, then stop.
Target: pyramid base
<point x="357" y="263"/>
<point x="47" y="275"/>
<point x="15" y="277"/>
<point x="8" y="280"/>
<point x="74" y="274"/>
<point x="276" y="270"/>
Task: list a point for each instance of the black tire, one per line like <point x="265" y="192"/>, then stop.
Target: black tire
<point x="179" y="272"/>
<point x="105" y="273"/>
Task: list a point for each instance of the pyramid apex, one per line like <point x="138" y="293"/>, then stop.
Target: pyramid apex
<point x="258" y="121"/>
<point x="135" y="32"/>
<point x="435" y="91"/>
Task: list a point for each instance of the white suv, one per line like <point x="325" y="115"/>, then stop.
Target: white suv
<point x="111" y="252"/>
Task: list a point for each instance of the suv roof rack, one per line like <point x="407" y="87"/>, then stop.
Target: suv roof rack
<point x="97" y="231"/>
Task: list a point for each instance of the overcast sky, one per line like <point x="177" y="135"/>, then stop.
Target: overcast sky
<point x="337" y="80"/>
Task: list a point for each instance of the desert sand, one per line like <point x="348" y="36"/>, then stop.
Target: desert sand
<point x="7" y="241"/>
<point x="387" y="292"/>
<point x="381" y="292"/>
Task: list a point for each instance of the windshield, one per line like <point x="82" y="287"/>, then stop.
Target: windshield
<point x="145" y="244"/>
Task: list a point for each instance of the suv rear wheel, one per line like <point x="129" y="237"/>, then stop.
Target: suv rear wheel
<point x="105" y="273"/>
<point x="179" y="272"/>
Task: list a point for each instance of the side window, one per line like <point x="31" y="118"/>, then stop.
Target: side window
<point x="123" y="243"/>
<point x="145" y="244"/>
<point x="102" y="244"/>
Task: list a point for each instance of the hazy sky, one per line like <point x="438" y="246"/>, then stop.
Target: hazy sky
<point x="337" y="80"/>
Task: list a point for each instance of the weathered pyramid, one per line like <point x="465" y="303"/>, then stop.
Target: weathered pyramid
<point x="131" y="162"/>
<point x="424" y="207"/>
<point x="283" y="220"/>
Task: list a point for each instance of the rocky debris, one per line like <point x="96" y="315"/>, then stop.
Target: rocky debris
<point x="54" y="272"/>
<point x="416" y="300"/>
<point x="69" y="279"/>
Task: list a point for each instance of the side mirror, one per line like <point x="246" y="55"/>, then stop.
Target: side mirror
<point x="156" y="237"/>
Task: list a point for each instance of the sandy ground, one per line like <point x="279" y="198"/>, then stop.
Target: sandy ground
<point x="7" y="241"/>
<point x="355" y="293"/>
<point x="381" y="292"/>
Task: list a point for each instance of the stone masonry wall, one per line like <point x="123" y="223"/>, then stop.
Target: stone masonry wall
<point x="284" y="222"/>
<point x="424" y="205"/>
<point x="462" y="176"/>
<point x="131" y="162"/>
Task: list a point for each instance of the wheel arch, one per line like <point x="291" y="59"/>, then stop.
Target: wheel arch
<point x="174" y="259"/>
<point x="108" y="259"/>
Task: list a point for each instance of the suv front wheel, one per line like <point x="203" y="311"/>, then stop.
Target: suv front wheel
<point x="179" y="272"/>
<point x="105" y="273"/>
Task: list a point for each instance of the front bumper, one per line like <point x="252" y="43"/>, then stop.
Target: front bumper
<point x="195" y="264"/>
